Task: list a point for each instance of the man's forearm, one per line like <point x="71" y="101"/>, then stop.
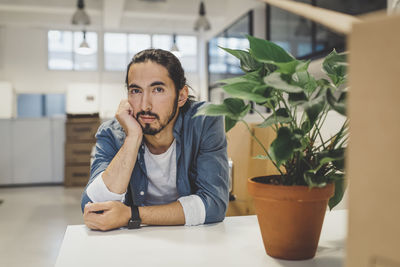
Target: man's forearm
<point x="117" y="175"/>
<point x="169" y="214"/>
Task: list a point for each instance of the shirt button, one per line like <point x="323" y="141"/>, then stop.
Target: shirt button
<point x="141" y="193"/>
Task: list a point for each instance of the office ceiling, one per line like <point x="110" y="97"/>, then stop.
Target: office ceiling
<point x="117" y="14"/>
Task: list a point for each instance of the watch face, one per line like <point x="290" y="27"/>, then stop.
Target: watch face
<point x="134" y="224"/>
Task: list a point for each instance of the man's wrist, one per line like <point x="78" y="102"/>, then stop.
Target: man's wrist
<point x="135" y="221"/>
<point x="134" y="138"/>
<point x="128" y="214"/>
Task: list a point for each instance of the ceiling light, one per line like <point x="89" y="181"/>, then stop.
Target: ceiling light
<point x="202" y="21"/>
<point x="84" y="48"/>
<point x="80" y="16"/>
<point x="174" y="49"/>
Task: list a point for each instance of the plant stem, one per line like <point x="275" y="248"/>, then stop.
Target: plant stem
<point x="262" y="146"/>
<point x="259" y="113"/>
<point x="290" y="114"/>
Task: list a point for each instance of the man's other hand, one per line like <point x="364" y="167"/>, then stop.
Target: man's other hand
<point x="106" y="215"/>
<point x="127" y="119"/>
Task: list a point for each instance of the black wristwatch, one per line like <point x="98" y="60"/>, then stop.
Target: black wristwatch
<point x="135" y="220"/>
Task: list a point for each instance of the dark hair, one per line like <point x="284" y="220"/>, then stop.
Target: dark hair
<point x="168" y="61"/>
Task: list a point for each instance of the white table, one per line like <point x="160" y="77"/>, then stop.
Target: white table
<point x="234" y="242"/>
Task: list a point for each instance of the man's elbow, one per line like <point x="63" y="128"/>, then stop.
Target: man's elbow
<point x="217" y="214"/>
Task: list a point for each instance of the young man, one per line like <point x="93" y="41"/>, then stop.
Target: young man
<point x="155" y="163"/>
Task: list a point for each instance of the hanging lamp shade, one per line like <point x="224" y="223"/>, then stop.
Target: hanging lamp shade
<point x="80" y="16"/>
<point x="84" y="48"/>
<point x="202" y="21"/>
<point x="174" y="48"/>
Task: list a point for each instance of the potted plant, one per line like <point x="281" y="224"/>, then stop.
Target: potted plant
<point x="291" y="206"/>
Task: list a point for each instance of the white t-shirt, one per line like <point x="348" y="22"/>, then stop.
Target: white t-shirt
<point x="161" y="174"/>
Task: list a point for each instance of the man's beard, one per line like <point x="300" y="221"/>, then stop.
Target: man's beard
<point x="153" y="131"/>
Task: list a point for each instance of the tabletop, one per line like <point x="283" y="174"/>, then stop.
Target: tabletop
<point x="234" y="242"/>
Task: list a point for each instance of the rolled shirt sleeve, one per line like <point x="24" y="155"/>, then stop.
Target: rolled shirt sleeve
<point x="97" y="191"/>
<point x="194" y="210"/>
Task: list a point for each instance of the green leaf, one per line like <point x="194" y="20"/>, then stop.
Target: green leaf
<point x="282" y="147"/>
<point x="303" y="65"/>
<point x="335" y="66"/>
<point x="280" y="116"/>
<point x="305" y="81"/>
<point x="337" y="105"/>
<point x="231" y="107"/>
<point x="340" y="187"/>
<point x="306" y="126"/>
<point x="312" y="180"/>
<point x="229" y="123"/>
<point x="247" y="62"/>
<point x="296" y="99"/>
<point x="251" y="77"/>
<point x="244" y="91"/>
<point x="266" y="51"/>
<point x="313" y="108"/>
<point x="275" y="80"/>
<point x="339" y="164"/>
<point x="234" y="105"/>
<point x="335" y="156"/>
<point x="237" y="107"/>
<point x="214" y="110"/>
<point x="287" y="67"/>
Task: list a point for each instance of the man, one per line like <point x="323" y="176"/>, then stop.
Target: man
<point x="155" y="163"/>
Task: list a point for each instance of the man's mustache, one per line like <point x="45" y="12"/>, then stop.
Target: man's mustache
<point x="147" y="113"/>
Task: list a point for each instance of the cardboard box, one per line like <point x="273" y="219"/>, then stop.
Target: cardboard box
<point x="82" y="131"/>
<point x="78" y="153"/>
<point x="242" y="149"/>
<point x="76" y="175"/>
<point x="373" y="155"/>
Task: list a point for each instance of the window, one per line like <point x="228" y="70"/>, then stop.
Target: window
<point x="187" y="46"/>
<point x="119" y="48"/>
<point x="305" y="39"/>
<point x="64" y="52"/>
<point x="115" y="51"/>
<point x="137" y="43"/>
<point x="60" y="50"/>
<point x="162" y="41"/>
<point x="40" y="105"/>
<point x="221" y="64"/>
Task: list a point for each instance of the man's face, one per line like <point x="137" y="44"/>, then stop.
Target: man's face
<point x="151" y="93"/>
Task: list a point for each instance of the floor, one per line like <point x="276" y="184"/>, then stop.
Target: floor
<point x="33" y="221"/>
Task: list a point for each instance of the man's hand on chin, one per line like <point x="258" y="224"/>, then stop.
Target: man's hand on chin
<point x="106" y="215"/>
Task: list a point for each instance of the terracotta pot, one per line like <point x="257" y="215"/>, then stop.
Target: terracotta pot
<point x="290" y="218"/>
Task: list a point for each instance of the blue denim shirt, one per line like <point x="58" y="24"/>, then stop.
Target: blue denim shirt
<point x="201" y="158"/>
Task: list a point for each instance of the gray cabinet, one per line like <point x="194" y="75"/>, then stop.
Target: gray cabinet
<point x="31" y="157"/>
<point x="57" y="145"/>
<point x="6" y="172"/>
<point x="32" y="150"/>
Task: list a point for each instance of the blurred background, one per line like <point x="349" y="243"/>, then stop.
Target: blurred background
<point x="62" y="72"/>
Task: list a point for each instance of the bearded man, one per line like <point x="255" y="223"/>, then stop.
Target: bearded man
<point x="155" y="163"/>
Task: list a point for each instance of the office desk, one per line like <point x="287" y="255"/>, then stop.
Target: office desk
<point x="234" y="242"/>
